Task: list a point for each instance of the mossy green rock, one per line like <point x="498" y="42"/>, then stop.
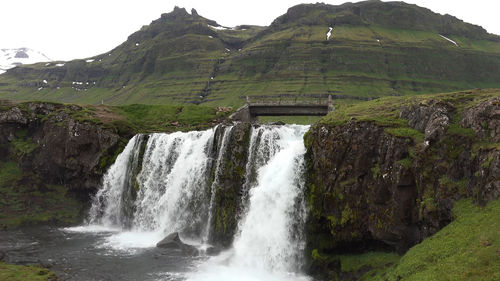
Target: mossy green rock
<point x="229" y="185"/>
<point x="376" y="183"/>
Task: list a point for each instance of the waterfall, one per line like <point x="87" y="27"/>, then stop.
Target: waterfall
<point x="174" y="191"/>
<point x="110" y="204"/>
<point x="169" y="194"/>
<point x="269" y="243"/>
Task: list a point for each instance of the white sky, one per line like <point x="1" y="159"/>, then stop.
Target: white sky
<point x="69" y="29"/>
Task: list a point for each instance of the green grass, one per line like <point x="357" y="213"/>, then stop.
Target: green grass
<point x="11" y="272"/>
<point x="402" y="132"/>
<point x="466" y="249"/>
<point x="385" y="111"/>
<point x="152" y="118"/>
<point x="371" y="259"/>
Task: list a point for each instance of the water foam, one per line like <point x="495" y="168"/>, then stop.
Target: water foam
<point x="269" y="242"/>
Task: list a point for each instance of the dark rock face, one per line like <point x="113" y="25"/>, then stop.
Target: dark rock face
<point x="431" y="119"/>
<point x="229" y="186"/>
<point x="63" y="151"/>
<point x="369" y="189"/>
<point x="484" y="119"/>
<point x="358" y="190"/>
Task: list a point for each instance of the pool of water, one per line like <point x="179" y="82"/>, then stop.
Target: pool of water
<point x="80" y="255"/>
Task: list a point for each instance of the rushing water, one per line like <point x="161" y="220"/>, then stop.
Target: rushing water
<point x="172" y="194"/>
<point x="269" y="243"/>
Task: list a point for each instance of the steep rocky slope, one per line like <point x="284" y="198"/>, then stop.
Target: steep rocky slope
<point x="374" y="49"/>
<point x="385" y="175"/>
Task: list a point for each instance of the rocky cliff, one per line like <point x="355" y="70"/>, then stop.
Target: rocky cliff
<point x="50" y="162"/>
<point x="386" y="176"/>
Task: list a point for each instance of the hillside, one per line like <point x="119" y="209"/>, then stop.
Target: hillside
<point x="374" y="49"/>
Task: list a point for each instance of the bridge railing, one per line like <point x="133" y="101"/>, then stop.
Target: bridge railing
<point x="289" y="99"/>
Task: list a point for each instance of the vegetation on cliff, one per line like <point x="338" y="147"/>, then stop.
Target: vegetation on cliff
<point x="384" y="175"/>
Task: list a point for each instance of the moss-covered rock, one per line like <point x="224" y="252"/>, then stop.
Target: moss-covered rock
<point x="229" y="185"/>
<point x="388" y="180"/>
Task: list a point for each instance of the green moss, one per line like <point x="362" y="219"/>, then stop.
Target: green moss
<point x="316" y="256"/>
<point x="23" y="146"/>
<point x="486" y="164"/>
<point x="455" y="187"/>
<point x="11" y="272"/>
<point x="347" y="216"/>
<point x="9" y="173"/>
<point x="455" y="129"/>
<point x="406" y="162"/>
<point x="376" y="171"/>
<point x="109" y="156"/>
<point x="35" y="203"/>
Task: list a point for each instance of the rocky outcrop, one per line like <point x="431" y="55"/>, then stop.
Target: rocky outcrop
<point x="56" y="148"/>
<point x="484" y="119"/>
<point x="431" y="118"/>
<point x="229" y="185"/>
<point x="372" y="187"/>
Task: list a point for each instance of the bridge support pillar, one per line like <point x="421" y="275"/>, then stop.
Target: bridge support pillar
<point x="243" y="115"/>
<point x="330" y="104"/>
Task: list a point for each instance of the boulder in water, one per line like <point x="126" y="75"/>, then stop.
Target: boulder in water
<point x="173" y="241"/>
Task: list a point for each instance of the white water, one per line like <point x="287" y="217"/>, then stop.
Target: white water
<point x="173" y="197"/>
<point x="222" y="152"/>
<point x="107" y="207"/>
<point x="269" y="242"/>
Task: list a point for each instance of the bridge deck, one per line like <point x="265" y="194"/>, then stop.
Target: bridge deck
<point x="250" y="111"/>
<point x="287" y="109"/>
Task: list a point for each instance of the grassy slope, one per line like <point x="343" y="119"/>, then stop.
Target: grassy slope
<point x="10" y="272"/>
<point x="466" y="249"/>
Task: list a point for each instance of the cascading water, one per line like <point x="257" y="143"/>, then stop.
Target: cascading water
<point x="171" y="193"/>
<point x="269" y="243"/>
<point x="110" y="204"/>
<point x="171" y="189"/>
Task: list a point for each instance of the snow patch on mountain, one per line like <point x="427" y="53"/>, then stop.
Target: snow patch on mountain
<point x="10" y="58"/>
<point x="448" y="39"/>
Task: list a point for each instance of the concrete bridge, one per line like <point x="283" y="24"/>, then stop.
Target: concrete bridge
<point x="251" y="111"/>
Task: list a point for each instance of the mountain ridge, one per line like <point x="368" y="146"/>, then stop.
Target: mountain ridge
<point x="186" y="58"/>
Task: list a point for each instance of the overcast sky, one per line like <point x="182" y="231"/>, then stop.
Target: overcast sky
<point x="69" y="29"/>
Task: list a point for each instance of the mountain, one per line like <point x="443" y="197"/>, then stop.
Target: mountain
<point x="10" y="58"/>
<point x="358" y="50"/>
